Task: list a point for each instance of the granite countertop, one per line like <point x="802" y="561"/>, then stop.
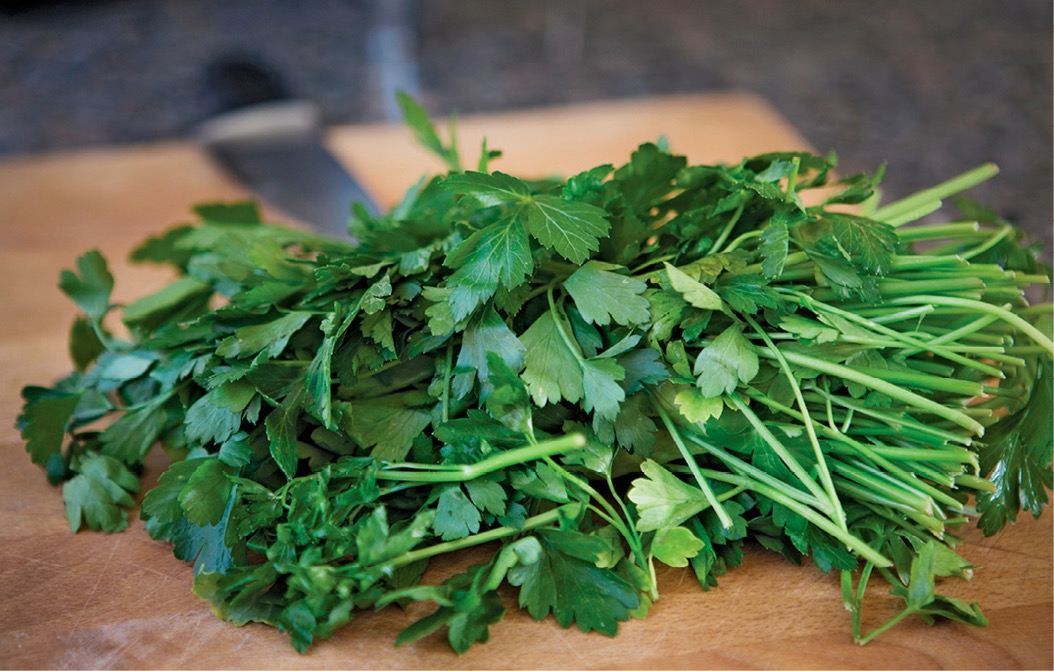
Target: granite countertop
<point x="932" y="89"/>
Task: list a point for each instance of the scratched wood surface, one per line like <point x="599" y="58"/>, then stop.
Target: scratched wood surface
<point x="122" y="601"/>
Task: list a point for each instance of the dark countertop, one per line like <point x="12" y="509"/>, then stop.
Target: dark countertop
<point x="932" y="89"/>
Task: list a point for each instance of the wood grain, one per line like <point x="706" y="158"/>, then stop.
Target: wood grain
<point x="122" y="601"/>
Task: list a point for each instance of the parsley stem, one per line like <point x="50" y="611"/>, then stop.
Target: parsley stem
<point x="727" y="230"/>
<point x="1002" y="312"/>
<point x="513" y="457"/>
<point x="821" y="462"/>
<point x="568" y="510"/>
<point x="722" y="514"/>
<point x="819" y="306"/>
<point x="741" y="239"/>
<point x="558" y="321"/>
<point x="825" y="500"/>
<point x="893" y="621"/>
<point x="778" y="494"/>
<point x="446" y="380"/>
<point x="757" y="474"/>
<point x="904" y="206"/>
<point x="889" y="389"/>
<point x="873" y="453"/>
<point x="792" y="179"/>
<point x="900" y="426"/>
<point x="955" y="229"/>
<point x="992" y="241"/>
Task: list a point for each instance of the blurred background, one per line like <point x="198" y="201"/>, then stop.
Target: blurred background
<point x="931" y="88"/>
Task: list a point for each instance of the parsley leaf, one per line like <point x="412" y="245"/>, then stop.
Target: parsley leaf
<point x="728" y="361"/>
<point x="99" y="494"/>
<point x="90" y="289"/>
<point x="572" y="228"/>
<point x="603" y="296"/>
<point x="567" y="582"/>
<point x="497" y="255"/>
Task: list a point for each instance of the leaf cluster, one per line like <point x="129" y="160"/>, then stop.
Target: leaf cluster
<point x="655" y="362"/>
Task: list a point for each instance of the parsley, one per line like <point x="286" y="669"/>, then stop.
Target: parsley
<point x="655" y="362"/>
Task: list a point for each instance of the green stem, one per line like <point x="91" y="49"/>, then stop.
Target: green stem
<point x="955" y="229"/>
<point x="827" y="500"/>
<point x="1002" y="313"/>
<point x="513" y="457"/>
<point x="446" y="380"/>
<point x="540" y="520"/>
<point x="778" y="495"/>
<point x="936" y="193"/>
<point x="727" y="230"/>
<point x="819" y="306"/>
<point x="893" y="621"/>
<point x="881" y="386"/>
<point x="879" y="457"/>
<point x="992" y="241"/>
<point x="722" y="514"/>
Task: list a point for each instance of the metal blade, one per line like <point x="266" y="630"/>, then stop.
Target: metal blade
<point x="275" y="150"/>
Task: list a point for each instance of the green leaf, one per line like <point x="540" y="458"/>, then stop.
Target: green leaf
<point x="542" y="482"/>
<point x="870" y="243"/>
<point x="747" y="293"/>
<point x="99" y="495"/>
<point x="773" y="246"/>
<point x="1016" y="455"/>
<point x="667" y="312"/>
<point x="648" y="177"/>
<point x="643" y="367"/>
<point x="603" y="296"/>
<point x="205" y="546"/>
<point x="551" y="371"/>
<point x="204" y="496"/>
<point x="244" y="212"/>
<point x="378" y="542"/>
<point x="571" y="228"/>
<point x="921" y="583"/>
<point x="499" y="254"/>
<point x="491" y="189"/>
<point x="130" y="437"/>
<point x="663" y="500"/>
<point x="844" y="277"/>
<point x="508" y="400"/>
<point x="456" y="516"/>
<point x="318" y="380"/>
<point x="567" y="582"/>
<point x="90" y="289"/>
<point x="84" y="344"/>
<point x="45" y="417"/>
<point x="416" y="118"/>
<point x="269" y="338"/>
<point x="283" y="428"/>
<point x="468" y="606"/>
<point x="167" y="303"/>
<point x="601" y="389"/>
<point x="385" y="426"/>
<point x="807" y="330"/>
<point x="486" y="332"/>
<point x="729" y="360"/>
<point x="696" y="407"/>
<point x="487" y="495"/>
<point x="694" y="292"/>
<point x="676" y="546"/>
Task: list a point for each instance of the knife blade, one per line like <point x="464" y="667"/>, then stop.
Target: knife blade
<point x="274" y="148"/>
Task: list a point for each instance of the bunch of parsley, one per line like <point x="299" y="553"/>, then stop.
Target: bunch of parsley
<point x="658" y="362"/>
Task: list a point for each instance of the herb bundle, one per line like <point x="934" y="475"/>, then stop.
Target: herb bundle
<point x="657" y="362"/>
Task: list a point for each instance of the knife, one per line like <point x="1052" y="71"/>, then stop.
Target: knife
<point x="272" y="145"/>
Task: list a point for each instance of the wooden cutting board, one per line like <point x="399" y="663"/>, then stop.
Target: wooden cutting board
<point x="91" y="600"/>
